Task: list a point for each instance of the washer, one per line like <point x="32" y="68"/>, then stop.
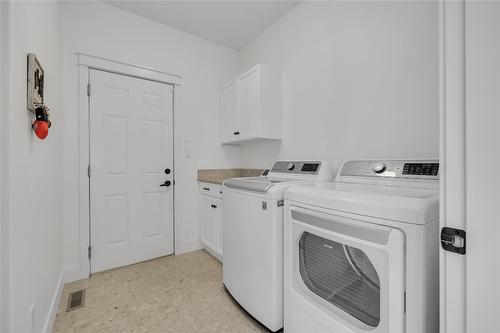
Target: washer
<point x="252" y="217"/>
<point x="361" y="253"/>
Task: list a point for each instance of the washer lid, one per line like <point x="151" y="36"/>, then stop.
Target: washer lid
<point x="258" y="184"/>
<point x="404" y="204"/>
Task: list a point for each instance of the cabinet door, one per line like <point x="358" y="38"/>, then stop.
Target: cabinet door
<point x="208" y="222"/>
<point x="229" y="110"/>
<point x="249" y="102"/>
<point x="219" y="227"/>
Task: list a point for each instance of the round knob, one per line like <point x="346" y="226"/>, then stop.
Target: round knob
<point x="379" y="167"/>
<point x="290" y="166"/>
<point x="167" y="171"/>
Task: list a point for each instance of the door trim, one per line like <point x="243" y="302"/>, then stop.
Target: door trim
<point x="122" y="68"/>
<point x="85" y="64"/>
<point x="452" y="118"/>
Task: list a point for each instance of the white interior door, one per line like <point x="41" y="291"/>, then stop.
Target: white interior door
<point x="470" y="286"/>
<point x="131" y="146"/>
<point x="483" y="158"/>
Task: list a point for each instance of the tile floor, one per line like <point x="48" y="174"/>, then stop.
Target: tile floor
<point x="171" y="294"/>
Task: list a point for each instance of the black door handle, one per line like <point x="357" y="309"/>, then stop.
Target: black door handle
<point x="214" y="206"/>
<point x="167" y="171"/>
<point x="166" y="183"/>
<point x="236" y="133"/>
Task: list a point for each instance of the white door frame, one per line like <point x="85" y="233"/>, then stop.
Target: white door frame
<point x="87" y="62"/>
<point x="3" y="94"/>
<point x="452" y="158"/>
<point x="467" y="57"/>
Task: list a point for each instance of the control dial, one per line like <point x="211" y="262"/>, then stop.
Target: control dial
<point x="379" y="167"/>
<point x="290" y="166"/>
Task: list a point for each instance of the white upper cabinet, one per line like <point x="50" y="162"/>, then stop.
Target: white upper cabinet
<point x="228" y="112"/>
<point x="251" y="107"/>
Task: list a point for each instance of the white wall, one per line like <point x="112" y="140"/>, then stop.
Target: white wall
<point x="3" y="107"/>
<point x="360" y="80"/>
<point x="101" y="30"/>
<point x="31" y="169"/>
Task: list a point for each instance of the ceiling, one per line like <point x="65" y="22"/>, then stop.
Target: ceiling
<point x="230" y="23"/>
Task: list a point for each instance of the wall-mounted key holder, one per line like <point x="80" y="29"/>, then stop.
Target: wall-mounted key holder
<point x="35" y="97"/>
<point x="36" y="77"/>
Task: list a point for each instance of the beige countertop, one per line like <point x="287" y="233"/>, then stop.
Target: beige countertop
<point x="217" y="176"/>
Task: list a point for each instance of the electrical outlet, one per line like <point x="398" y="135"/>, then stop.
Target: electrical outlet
<point x="32" y="318"/>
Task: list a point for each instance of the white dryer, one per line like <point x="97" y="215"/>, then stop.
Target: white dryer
<point x="361" y="253"/>
<point x="252" y="218"/>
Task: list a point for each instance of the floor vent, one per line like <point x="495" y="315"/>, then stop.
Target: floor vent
<point x="76" y="300"/>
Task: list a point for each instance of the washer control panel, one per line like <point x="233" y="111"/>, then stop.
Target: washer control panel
<point x="297" y="167"/>
<point x="417" y="169"/>
<point x="426" y="169"/>
<point x="379" y="167"/>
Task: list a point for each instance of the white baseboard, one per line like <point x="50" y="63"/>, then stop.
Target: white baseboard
<point x="54" y="305"/>
<point x="213" y="254"/>
<point x="189" y="246"/>
<point x="74" y="273"/>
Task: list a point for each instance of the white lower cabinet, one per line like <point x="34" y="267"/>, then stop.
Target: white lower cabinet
<point x="219" y="228"/>
<point x="210" y="216"/>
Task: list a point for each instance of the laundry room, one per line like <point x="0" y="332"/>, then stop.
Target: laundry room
<point x="249" y="166"/>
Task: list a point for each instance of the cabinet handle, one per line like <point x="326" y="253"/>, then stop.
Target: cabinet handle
<point x="206" y="188"/>
<point x="214" y="206"/>
<point x="236" y="133"/>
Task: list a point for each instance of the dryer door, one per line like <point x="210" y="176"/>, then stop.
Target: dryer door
<point x="351" y="271"/>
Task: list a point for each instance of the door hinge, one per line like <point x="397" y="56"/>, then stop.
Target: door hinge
<point x="453" y="240"/>
<point x="90" y="252"/>
<point x="404" y="302"/>
<point x="88" y="89"/>
<point x="89" y="170"/>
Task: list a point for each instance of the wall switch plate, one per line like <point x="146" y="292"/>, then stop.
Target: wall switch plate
<point x="188" y="147"/>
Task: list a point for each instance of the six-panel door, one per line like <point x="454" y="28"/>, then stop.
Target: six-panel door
<point x="130" y="148"/>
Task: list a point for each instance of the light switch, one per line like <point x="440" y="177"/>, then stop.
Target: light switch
<point x="187" y="147"/>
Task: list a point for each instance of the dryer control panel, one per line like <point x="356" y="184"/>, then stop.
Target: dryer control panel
<point x="297" y="167"/>
<point x="412" y="169"/>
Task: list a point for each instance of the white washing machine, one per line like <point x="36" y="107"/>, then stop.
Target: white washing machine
<point x="361" y="253"/>
<point x="252" y="218"/>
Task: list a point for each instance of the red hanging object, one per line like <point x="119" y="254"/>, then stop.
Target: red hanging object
<point x="41" y="129"/>
<point x="42" y="123"/>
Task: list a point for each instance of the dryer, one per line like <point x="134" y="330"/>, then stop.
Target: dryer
<point x="361" y="253"/>
<point x="252" y="218"/>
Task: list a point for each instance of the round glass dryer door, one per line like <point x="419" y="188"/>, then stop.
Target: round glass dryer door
<point x="350" y="272"/>
<point x="342" y="275"/>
